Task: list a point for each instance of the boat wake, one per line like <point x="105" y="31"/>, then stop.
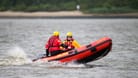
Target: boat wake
<point x="15" y="56"/>
<point x="70" y="65"/>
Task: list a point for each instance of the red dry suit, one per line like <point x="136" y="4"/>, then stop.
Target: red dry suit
<point x="53" y="44"/>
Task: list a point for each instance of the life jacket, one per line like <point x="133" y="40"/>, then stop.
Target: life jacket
<point x="69" y="44"/>
<point x="53" y="44"/>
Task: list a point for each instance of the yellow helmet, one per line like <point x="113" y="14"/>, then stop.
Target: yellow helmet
<point x="69" y="34"/>
<point x="56" y="33"/>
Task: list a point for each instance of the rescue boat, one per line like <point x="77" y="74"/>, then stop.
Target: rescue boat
<point x="91" y="52"/>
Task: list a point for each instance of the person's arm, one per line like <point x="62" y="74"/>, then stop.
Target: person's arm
<point x="76" y="44"/>
<point x="64" y="46"/>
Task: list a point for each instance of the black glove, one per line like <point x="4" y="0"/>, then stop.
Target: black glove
<point x="64" y="46"/>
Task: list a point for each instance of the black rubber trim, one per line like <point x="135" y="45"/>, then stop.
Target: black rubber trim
<point x="93" y="49"/>
<point x="88" y="45"/>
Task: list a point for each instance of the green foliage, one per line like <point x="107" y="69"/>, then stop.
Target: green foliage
<point x="88" y="6"/>
<point x="68" y="6"/>
<point x="111" y="10"/>
<point x="18" y="7"/>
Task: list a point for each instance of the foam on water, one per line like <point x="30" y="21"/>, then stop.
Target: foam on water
<point x="15" y="56"/>
<point x="74" y="64"/>
<point x="56" y="64"/>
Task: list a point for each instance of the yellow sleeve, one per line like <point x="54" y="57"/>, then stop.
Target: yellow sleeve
<point x="76" y="44"/>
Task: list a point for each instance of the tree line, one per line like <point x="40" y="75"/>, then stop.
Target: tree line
<point x="87" y="6"/>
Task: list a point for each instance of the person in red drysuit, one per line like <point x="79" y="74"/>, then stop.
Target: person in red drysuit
<point x="53" y="45"/>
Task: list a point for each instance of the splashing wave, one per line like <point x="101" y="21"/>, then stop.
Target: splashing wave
<point x="15" y="56"/>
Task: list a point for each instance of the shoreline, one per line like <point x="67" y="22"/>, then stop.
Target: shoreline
<point x="63" y="14"/>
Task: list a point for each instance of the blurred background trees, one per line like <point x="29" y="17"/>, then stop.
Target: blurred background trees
<point x="87" y="6"/>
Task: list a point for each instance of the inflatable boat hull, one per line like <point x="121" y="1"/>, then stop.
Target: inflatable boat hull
<point x="93" y="51"/>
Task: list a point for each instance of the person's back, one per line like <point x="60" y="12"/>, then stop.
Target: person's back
<point x="53" y="45"/>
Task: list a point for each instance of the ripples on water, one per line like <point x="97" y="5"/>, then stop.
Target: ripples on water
<point x="23" y="39"/>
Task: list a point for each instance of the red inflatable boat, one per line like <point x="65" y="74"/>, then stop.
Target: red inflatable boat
<point x="84" y="54"/>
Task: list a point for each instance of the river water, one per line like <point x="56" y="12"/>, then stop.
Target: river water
<point x="22" y="40"/>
